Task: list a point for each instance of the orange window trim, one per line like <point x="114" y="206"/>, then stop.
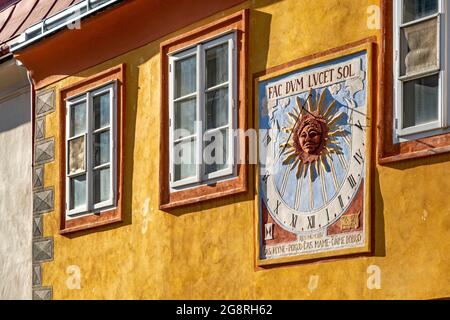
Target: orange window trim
<point x="108" y="216"/>
<point x="388" y="151"/>
<point x="168" y="200"/>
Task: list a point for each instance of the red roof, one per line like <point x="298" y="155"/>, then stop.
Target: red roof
<point x="17" y="16"/>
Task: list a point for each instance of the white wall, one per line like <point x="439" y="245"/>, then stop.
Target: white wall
<point x="15" y="184"/>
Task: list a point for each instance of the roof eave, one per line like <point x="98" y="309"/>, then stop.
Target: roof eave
<point x="23" y="43"/>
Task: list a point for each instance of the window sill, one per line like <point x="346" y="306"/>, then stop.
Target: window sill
<point x="425" y="130"/>
<point x="91" y="221"/>
<point x="419" y="148"/>
<point x="205" y="192"/>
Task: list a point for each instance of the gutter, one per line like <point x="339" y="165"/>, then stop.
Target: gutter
<point x="5" y="56"/>
<point x="67" y="18"/>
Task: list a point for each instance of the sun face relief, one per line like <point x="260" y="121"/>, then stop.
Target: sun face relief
<point x="309" y="138"/>
<point x="313" y="175"/>
<point x="309" y="131"/>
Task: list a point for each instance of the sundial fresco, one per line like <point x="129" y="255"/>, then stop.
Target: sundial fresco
<point x="313" y="151"/>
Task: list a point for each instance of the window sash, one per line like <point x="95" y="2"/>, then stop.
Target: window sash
<point x="425" y="127"/>
<point x="423" y="16"/>
<point x="172" y="60"/>
<point x="199" y="51"/>
<point x="424" y="73"/>
<point x="90" y="133"/>
<point x="399" y="80"/>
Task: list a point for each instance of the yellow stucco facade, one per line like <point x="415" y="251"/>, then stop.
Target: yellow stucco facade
<point x="206" y="251"/>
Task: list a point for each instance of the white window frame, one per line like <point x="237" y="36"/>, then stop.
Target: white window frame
<point x="440" y="125"/>
<point x="199" y="49"/>
<point x="88" y="97"/>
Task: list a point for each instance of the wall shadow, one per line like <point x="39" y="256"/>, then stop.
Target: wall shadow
<point x="419" y="162"/>
<point x="378" y="226"/>
<point x="131" y="108"/>
<point x="15" y="96"/>
<point x="13" y="115"/>
<point x="258" y="45"/>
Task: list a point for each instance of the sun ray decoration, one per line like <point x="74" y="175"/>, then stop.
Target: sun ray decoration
<point x="314" y="131"/>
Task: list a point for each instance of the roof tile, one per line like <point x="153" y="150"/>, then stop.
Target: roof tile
<point x="39" y="12"/>
<point x="20" y="14"/>
<point x="4" y="17"/>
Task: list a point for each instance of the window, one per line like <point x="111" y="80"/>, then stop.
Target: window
<point x="91" y="151"/>
<point x="413" y="116"/>
<point x="91" y="139"/>
<point x="203" y="105"/>
<point x="421" y="107"/>
<point x="202" y="111"/>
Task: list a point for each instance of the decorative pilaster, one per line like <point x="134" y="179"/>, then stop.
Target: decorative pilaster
<point x="43" y="196"/>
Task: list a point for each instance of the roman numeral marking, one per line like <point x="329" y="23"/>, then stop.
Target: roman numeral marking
<point x="267" y="139"/>
<point x="265" y="177"/>
<point x="269" y="231"/>
<point x="277" y="208"/>
<point x="359" y="125"/>
<point x="352" y="181"/>
<point x="328" y="215"/>
<point x="311" y="222"/>
<point x="341" y="202"/>
<point x="358" y="156"/>
<point x="294" y="220"/>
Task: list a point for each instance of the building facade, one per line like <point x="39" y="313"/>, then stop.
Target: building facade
<point x="330" y="179"/>
<point x="15" y="190"/>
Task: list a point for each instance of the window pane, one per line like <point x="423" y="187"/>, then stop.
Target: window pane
<point x="102" y="185"/>
<point x="77" y="155"/>
<point x="420" y="101"/>
<point x="185" y="117"/>
<point x="184" y="159"/>
<point x="419" y="50"/>
<point x="78" y="119"/>
<point x="77" y="192"/>
<point x="185" y="76"/>
<point x="101" y="110"/>
<point x="416" y="9"/>
<point x="217" y="65"/>
<point x="216" y="151"/>
<point x="217" y="108"/>
<point x="101" y="148"/>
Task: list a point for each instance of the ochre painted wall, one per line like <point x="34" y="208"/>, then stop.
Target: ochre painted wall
<point x="207" y="250"/>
